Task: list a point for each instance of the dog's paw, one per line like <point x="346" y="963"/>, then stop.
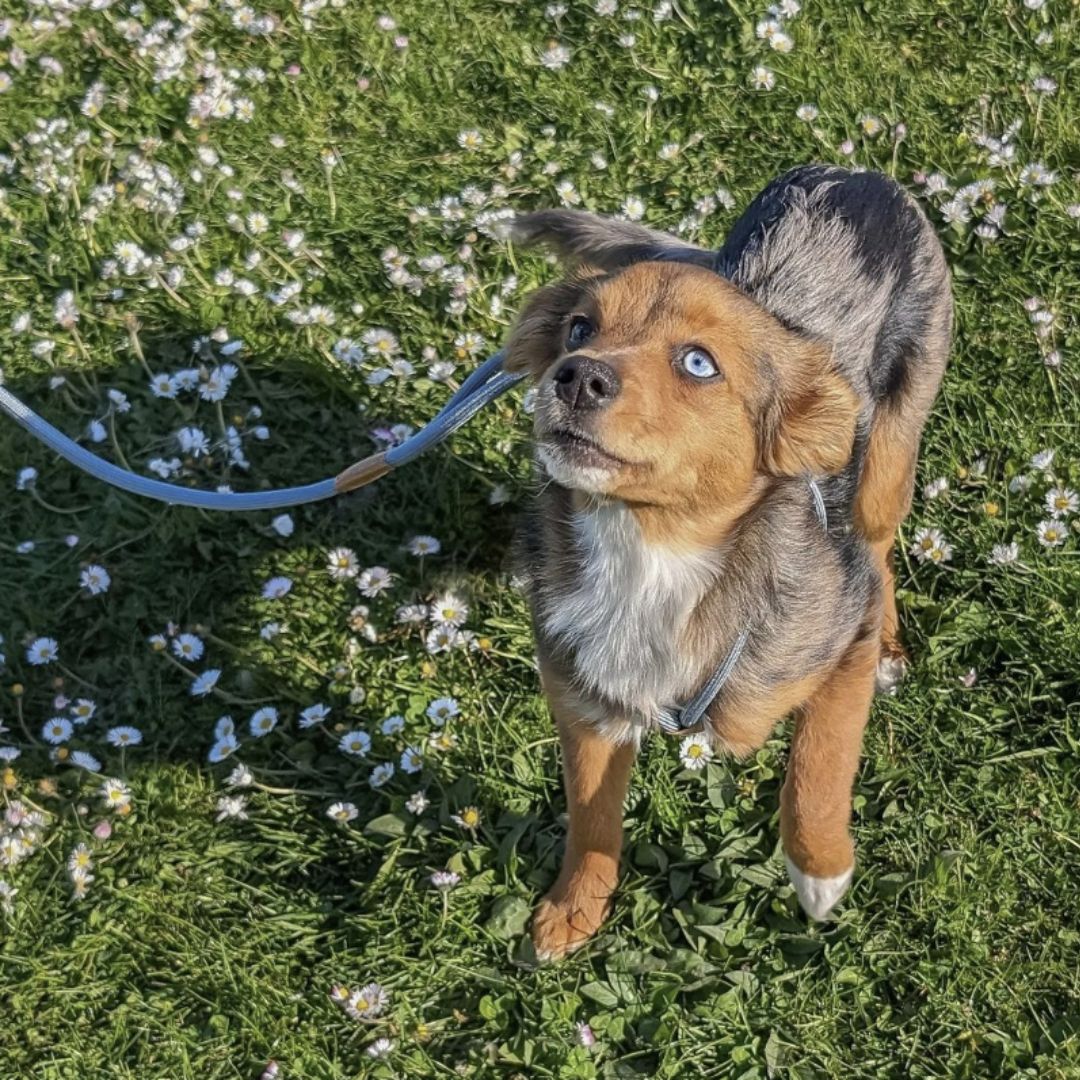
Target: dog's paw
<point x="560" y="926"/>
<point x="891" y="669"/>
<point x="818" y="896"/>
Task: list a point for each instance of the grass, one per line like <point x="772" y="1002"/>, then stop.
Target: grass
<point x="204" y="948"/>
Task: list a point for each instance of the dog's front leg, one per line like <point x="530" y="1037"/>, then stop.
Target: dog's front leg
<point x="596" y="774"/>
<point x="815" y="805"/>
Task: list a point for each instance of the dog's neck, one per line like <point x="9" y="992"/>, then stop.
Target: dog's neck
<point x="635" y="582"/>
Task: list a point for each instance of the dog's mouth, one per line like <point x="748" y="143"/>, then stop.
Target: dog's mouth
<point x="581" y="450"/>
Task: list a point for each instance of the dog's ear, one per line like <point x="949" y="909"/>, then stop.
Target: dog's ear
<point x="809" y="424"/>
<point x="536" y="339"/>
<point x="578" y="237"/>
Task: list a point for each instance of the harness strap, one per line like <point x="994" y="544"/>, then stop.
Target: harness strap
<point x="687" y="720"/>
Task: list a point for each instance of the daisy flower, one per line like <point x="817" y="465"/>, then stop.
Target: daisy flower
<point x="555" y="57"/>
<point x="392" y="725"/>
<point x="411" y="613"/>
<point x="441" y="639"/>
<point x="931" y="546"/>
<point x="83" y="760"/>
<point x="367" y="1002"/>
<point x="231" y="806"/>
<point x="449" y="610"/>
<point x="276" y="588"/>
<point x="42" y="650"/>
<point x="423" y="545"/>
<point x="57" y="730"/>
<point x="342" y="811"/>
<point x="123" y="736"/>
<point x="164" y="386"/>
<point x="380" y="1047"/>
<point x="341" y="564"/>
<point x="374" y="580"/>
<point x="80" y="858"/>
<point x="83" y="710"/>
<point x="381" y="774"/>
<point x="314" y="714"/>
<point x="442" y="740"/>
<point x="695" y="752"/>
<point x="761" y="78"/>
<point x="355" y="743"/>
<point x="417" y="803"/>
<point x="221" y="749"/>
<point x="445" y="879"/>
<point x="807" y="112"/>
<point x="470" y="140"/>
<point x="469" y="818"/>
<point x="1061" y="502"/>
<point x="412" y="760"/>
<point x="205" y="682"/>
<point x="115" y="794"/>
<point x="188" y="647"/>
<point x="443" y="709"/>
<point x="240" y="777"/>
<point x="1005" y="554"/>
<point x="263" y="721"/>
<point x="1051" y="533"/>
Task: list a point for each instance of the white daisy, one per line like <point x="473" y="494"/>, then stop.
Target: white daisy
<point x="1061" y="502"/>
<point x="341" y="564"/>
<point x="695" y="752"/>
<point x="263" y="721"/>
<point x="930" y="545"/>
<point x="374" y="580"/>
<point x="355" y="743"/>
<point x="443" y="709"/>
<point x="205" y="682"/>
<point x="392" y="725"/>
<point x="412" y="759"/>
<point x="188" y="647"/>
<point x="1051" y="533"/>
<point x="342" y="811"/>
<point x="124" y="736"/>
<point x="423" y="545"/>
<point x="381" y="774"/>
<point x="42" y="650"/>
<point x="57" y="730"/>
<point x="314" y="714"/>
<point x="449" y="610"/>
<point x="276" y="588"/>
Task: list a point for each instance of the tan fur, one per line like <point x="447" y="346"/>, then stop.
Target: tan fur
<point x="596" y="774"/>
<point x="815" y="803"/>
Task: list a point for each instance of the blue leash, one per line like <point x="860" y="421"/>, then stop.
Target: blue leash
<point x="485" y="384"/>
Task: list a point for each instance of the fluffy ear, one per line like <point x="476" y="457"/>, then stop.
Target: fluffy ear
<point x="536" y="338"/>
<point x="810" y="424"/>
<point x="577" y="237"/>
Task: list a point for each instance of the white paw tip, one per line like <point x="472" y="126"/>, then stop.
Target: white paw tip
<point x="890" y="674"/>
<point x="818" y="896"/>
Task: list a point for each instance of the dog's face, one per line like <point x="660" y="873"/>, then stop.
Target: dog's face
<point x="661" y="384"/>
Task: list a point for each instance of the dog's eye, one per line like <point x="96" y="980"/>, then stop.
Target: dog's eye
<point x="580" y="331"/>
<point x="698" y="363"/>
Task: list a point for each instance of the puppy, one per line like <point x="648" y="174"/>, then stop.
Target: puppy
<point x="686" y="399"/>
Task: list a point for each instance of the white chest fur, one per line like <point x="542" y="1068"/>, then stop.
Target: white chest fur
<point x="625" y="616"/>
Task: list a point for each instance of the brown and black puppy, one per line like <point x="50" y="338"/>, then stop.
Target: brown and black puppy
<point x="684" y="399"/>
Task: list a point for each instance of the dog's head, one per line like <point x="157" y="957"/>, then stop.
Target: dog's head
<point x="661" y="383"/>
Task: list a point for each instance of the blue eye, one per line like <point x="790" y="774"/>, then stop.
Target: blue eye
<point x="698" y="363"/>
<point x="580" y="331"/>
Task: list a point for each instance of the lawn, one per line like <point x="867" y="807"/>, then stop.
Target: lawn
<point x="242" y="247"/>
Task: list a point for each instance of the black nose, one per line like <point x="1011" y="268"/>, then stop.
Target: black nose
<point x="585" y="383"/>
